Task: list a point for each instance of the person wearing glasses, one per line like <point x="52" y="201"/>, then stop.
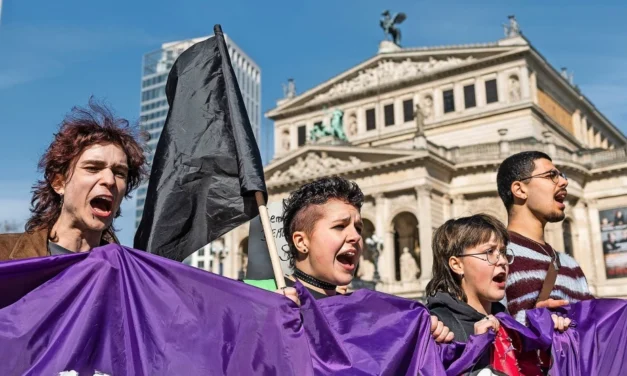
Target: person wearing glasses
<point x="471" y="262"/>
<point x="470" y="268"/>
<point x="534" y="193"/>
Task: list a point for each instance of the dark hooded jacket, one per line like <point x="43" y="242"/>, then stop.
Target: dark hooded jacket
<point x="457" y="315"/>
<point x="460" y="318"/>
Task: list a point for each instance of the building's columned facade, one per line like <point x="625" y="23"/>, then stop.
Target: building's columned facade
<point x="478" y="105"/>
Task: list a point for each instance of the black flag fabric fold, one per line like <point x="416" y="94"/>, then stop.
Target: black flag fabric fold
<point x="207" y="165"/>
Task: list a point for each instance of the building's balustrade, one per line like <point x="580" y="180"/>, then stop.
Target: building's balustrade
<point x="492" y="151"/>
<point x="606" y="157"/>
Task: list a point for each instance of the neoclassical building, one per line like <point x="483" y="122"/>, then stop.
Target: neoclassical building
<point x="426" y="130"/>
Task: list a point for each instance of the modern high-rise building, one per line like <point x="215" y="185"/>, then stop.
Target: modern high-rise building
<point x="154" y="106"/>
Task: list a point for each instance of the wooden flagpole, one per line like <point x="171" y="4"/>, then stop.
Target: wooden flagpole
<point x="267" y="231"/>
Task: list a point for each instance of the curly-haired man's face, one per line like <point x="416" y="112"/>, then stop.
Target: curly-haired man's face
<point x="94" y="191"/>
<point x="331" y="251"/>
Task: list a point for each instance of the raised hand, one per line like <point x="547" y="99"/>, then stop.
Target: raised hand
<point x="290" y="293"/>
<point x="488" y="322"/>
<point x="440" y="332"/>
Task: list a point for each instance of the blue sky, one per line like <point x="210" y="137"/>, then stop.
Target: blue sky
<point x="55" y="54"/>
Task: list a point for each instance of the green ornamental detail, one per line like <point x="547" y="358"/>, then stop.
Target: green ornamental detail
<point x="335" y="128"/>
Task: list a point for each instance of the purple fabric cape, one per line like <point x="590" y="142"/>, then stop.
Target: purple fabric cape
<point x="127" y="312"/>
<point x="596" y="342"/>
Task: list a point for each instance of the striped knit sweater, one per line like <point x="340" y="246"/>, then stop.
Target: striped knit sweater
<point x="528" y="272"/>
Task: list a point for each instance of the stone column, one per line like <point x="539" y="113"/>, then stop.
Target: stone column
<point x="438" y="104"/>
<point x="361" y="120"/>
<point x="232" y="244"/>
<point x="277" y="141"/>
<point x="583" y="130"/>
<point x="398" y="112"/>
<point x="458" y="92"/>
<point x="379" y="118"/>
<point x="447" y="208"/>
<point x="386" y="258"/>
<point x="590" y="134"/>
<point x="525" y="89"/>
<point x="501" y="84"/>
<point x="229" y="259"/>
<point x="557" y="236"/>
<point x="418" y="100"/>
<point x="576" y="120"/>
<point x="457" y="209"/>
<point x="533" y="83"/>
<point x="390" y="257"/>
<point x="503" y="143"/>
<point x="581" y="237"/>
<point x="480" y="91"/>
<point x="549" y="144"/>
<point x="293" y="136"/>
<point x="425" y="229"/>
<point x="595" y="257"/>
<point x="215" y="267"/>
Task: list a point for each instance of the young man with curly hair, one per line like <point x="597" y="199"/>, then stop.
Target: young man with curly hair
<point x="93" y="162"/>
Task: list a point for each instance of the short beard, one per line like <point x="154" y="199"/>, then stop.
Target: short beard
<point x="556" y="217"/>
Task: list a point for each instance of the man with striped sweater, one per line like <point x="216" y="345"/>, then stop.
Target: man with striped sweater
<point x="533" y="191"/>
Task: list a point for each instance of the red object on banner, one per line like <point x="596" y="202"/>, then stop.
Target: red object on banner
<point x="507" y="356"/>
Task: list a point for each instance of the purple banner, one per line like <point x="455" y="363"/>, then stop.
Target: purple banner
<point x="125" y="312"/>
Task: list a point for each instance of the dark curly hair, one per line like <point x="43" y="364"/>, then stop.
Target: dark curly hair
<point x="297" y="215"/>
<point x="451" y="239"/>
<point x="80" y="129"/>
<point x="514" y="168"/>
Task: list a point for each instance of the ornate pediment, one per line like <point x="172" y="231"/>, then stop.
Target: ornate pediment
<point x="314" y="164"/>
<point x="386" y="72"/>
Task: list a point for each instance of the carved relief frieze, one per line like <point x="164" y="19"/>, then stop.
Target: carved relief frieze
<point x="389" y="71"/>
<point x="314" y="164"/>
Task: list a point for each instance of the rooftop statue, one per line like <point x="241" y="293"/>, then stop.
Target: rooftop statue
<point x="512" y="29"/>
<point x="388" y="24"/>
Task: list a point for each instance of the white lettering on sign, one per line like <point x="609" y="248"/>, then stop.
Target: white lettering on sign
<point x="259" y="265"/>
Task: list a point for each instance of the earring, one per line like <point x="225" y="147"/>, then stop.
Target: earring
<point x="305" y="250"/>
<point x="61" y="194"/>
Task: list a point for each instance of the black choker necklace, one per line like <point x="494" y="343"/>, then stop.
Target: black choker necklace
<point x="313" y="280"/>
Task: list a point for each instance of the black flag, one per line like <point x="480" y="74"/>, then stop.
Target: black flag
<point x="207" y="165"/>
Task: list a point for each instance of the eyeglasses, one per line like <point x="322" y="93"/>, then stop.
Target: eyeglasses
<point x="554" y="175"/>
<point x="493" y="255"/>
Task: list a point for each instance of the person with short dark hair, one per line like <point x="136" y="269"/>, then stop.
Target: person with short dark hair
<point x="534" y="192"/>
<point x="322" y="224"/>
<point x="94" y="161"/>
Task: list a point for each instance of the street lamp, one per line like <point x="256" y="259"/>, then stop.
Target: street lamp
<point x="375" y="246"/>
<point x="218" y="252"/>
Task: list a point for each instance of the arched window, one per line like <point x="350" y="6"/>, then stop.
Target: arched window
<point x="406" y="247"/>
